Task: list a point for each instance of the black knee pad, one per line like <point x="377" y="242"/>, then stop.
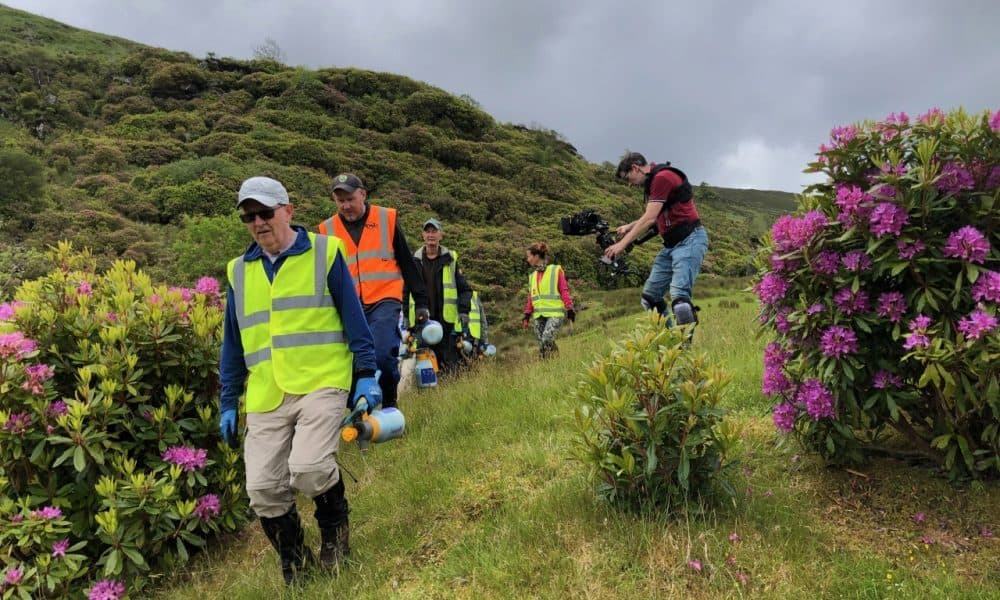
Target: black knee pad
<point x="650" y="303"/>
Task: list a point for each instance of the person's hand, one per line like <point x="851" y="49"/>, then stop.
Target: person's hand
<point x="623" y="229"/>
<point x="571" y="315"/>
<point x="525" y="321"/>
<point x="614" y="250"/>
<point x="227" y="426"/>
<point x="464" y="320"/>
<point x="422" y="314"/>
<point x="368" y="391"/>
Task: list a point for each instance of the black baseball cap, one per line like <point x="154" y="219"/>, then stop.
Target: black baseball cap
<point x="347" y="182"/>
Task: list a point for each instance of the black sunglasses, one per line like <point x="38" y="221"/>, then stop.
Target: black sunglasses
<point x="264" y="214"/>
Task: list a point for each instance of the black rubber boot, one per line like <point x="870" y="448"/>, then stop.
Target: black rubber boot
<point x="331" y="516"/>
<point x="286" y="535"/>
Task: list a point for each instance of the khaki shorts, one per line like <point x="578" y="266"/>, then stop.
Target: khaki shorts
<point x="293" y="449"/>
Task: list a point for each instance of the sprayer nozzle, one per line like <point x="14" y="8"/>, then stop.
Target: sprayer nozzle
<point x="348" y="434"/>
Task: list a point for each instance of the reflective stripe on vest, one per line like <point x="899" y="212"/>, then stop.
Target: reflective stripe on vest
<point x="371" y="261"/>
<point x="476" y="317"/>
<point x="545" y="298"/>
<point x="293" y="337"/>
<point x="449" y="310"/>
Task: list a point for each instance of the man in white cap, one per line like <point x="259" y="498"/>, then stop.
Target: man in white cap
<point x="294" y="340"/>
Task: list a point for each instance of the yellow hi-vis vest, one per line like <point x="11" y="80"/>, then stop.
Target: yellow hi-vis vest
<point x="449" y="310"/>
<point x="545" y="298"/>
<point x="293" y="336"/>
<point x="476" y="317"/>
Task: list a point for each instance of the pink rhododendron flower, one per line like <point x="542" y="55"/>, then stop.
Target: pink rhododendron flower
<point x="47" y="513"/>
<point x="37" y="375"/>
<point x="995" y="121"/>
<point x="917" y="338"/>
<point x="815" y="309"/>
<point x="784" y="417"/>
<point x="784" y="265"/>
<point x="59" y="548"/>
<point x="57" y="408"/>
<point x="976" y="324"/>
<point x="14" y="576"/>
<point x="84" y="288"/>
<point x="18" y="423"/>
<point x="774" y="381"/>
<point x="855" y="205"/>
<point x="919" y="517"/>
<point x="772" y="288"/>
<point x="850" y="302"/>
<point x="856" y="261"/>
<point x="955" y="178"/>
<point x="842" y="135"/>
<point x="781" y="320"/>
<point x="208" y="506"/>
<point x="987" y="287"/>
<point x="887" y="218"/>
<point x="891" y="305"/>
<point x="986" y="532"/>
<point x="931" y="116"/>
<point x="968" y="244"/>
<point x="695" y="564"/>
<point x="107" y="589"/>
<point x="192" y="459"/>
<point x="826" y="262"/>
<point x="734" y="537"/>
<point x="207" y="285"/>
<point x="16" y="345"/>
<point x="818" y="400"/>
<point x="884" y="380"/>
<point x="9" y="310"/>
<point x="908" y="251"/>
<point x="793" y="233"/>
<point x="838" y="341"/>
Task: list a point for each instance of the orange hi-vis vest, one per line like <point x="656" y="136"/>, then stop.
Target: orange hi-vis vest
<point x="372" y="262"/>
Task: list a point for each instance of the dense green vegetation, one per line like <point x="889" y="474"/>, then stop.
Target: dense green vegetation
<point x="137" y="152"/>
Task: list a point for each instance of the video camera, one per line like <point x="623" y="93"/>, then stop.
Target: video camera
<point x="586" y="223"/>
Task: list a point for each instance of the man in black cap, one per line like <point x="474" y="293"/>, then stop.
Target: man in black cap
<point x="449" y="295"/>
<point x="380" y="262"/>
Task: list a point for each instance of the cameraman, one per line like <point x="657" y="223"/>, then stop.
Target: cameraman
<point x="670" y="206"/>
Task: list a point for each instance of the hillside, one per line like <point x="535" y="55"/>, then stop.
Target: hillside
<point x="137" y="152"/>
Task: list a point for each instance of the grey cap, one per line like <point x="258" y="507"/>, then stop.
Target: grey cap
<point x="347" y="182"/>
<point x="265" y="190"/>
<point x="433" y="223"/>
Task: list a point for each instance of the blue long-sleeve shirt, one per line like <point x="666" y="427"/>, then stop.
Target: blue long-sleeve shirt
<point x="232" y="367"/>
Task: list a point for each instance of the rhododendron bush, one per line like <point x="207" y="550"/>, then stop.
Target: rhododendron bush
<point x="883" y="293"/>
<point x="111" y="465"/>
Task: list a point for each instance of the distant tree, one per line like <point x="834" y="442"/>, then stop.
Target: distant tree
<point x="470" y="101"/>
<point x="269" y="50"/>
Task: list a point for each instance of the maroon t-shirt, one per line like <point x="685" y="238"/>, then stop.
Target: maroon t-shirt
<point x="665" y="182"/>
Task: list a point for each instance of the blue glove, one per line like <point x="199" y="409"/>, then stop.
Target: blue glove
<point x="367" y="394"/>
<point x="227" y="427"/>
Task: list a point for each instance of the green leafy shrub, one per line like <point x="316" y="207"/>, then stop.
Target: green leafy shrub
<point x="178" y="80"/>
<point x="23" y="178"/>
<point x="650" y="426"/>
<point x="111" y="465"/>
<point x="884" y="295"/>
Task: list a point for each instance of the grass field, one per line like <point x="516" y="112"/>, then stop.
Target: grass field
<point x="482" y="499"/>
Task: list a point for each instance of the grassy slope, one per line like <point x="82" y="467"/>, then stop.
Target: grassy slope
<point x="481" y="500"/>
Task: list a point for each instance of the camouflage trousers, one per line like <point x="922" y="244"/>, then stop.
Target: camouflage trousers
<point x="546" y="329"/>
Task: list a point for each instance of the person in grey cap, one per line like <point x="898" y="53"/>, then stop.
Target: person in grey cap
<point x="380" y="262"/>
<point x="295" y="341"/>
<point x="449" y="295"/>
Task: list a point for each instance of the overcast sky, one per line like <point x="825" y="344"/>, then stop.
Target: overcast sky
<point x="738" y="94"/>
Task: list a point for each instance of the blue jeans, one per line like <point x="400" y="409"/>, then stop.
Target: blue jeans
<point x="383" y="320"/>
<point x="676" y="268"/>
